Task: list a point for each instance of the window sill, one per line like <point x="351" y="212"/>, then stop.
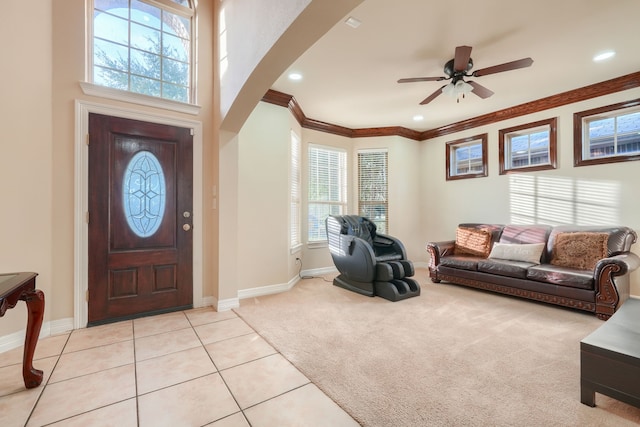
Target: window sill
<point x="318" y="245"/>
<point x="136" y="98"/>
<point x="297" y="248"/>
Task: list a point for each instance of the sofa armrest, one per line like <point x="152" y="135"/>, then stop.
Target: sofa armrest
<point x="610" y="293"/>
<point x="625" y="263"/>
<point x="436" y="251"/>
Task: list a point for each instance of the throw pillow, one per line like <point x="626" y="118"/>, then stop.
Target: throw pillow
<point x="527" y="252"/>
<point x="581" y="250"/>
<point x="473" y="241"/>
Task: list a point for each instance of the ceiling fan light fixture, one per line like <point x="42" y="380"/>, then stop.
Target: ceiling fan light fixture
<point x="457" y="89"/>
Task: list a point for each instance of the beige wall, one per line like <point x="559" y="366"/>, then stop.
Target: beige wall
<point x="26" y="150"/>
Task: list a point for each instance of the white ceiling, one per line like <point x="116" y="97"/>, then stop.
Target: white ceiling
<point x="350" y="75"/>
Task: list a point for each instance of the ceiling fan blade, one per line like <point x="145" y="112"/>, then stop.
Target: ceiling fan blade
<point x="507" y="66"/>
<point x="461" y="60"/>
<point x="421" y="79"/>
<point x="431" y="97"/>
<point x="480" y="90"/>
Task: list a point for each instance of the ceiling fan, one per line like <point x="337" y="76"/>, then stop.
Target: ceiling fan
<point x="458" y="68"/>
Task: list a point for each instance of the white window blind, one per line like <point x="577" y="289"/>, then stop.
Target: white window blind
<point x="296" y="184"/>
<point x="327" y="188"/>
<point x="373" y="188"/>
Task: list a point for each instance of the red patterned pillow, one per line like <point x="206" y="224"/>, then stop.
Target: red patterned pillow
<point x="473" y="241"/>
<point x="581" y="250"/>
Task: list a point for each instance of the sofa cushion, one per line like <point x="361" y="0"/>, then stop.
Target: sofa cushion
<point x="503" y="267"/>
<point x="473" y="241"/>
<point x="518" y="252"/>
<point x="571" y="277"/>
<point x="581" y="250"/>
<point x="525" y="234"/>
<point x="462" y="262"/>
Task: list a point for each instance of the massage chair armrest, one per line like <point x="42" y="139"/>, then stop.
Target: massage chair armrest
<point x="354" y="258"/>
<point x="384" y="244"/>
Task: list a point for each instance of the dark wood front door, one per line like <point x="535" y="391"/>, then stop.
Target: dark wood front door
<point x="140" y="218"/>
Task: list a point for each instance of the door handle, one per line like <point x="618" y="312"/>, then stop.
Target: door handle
<point x="186" y="227"/>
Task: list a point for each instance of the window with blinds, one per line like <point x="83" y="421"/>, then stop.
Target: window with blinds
<point x="295" y="187"/>
<point x="327" y="188"/>
<point x="373" y="187"/>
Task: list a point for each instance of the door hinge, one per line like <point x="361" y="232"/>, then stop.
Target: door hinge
<point x="192" y="131"/>
<point x="87" y="139"/>
<point x="87" y="217"/>
<point x="86" y="295"/>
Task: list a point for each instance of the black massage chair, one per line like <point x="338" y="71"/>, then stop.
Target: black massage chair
<point x="369" y="263"/>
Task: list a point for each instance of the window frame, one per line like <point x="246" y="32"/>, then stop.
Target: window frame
<point x="295" y="193"/>
<point x="528" y="129"/>
<point x="343" y="185"/>
<point x="451" y="146"/>
<point x="580" y="131"/>
<point x="89" y="87"/>
<point x="385" y="202"/>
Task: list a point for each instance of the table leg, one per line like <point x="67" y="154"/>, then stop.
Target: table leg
<point x="35" y="305"/>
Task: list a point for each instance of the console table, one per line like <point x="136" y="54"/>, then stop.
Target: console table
<point x="22" y="286"/>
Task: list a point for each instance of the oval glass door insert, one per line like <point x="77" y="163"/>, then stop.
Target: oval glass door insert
<point x="144" y="194"/>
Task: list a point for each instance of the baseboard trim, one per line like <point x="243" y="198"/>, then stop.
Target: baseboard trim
<point x="226" y="304"/>
<point x="16" y="339"/>
<point x="318" y="272"/>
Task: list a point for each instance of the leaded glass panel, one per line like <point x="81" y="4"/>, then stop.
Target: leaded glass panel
<point x="144" y="194"/>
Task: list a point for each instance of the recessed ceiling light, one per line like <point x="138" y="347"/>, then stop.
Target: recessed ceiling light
<point x="418" y="118"/>
<point x="604" y="55"/>
<point x="353" y="22"/>
<point x="295" y="76"/>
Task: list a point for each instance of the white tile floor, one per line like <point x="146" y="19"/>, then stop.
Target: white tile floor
<point x="191" y="368"/>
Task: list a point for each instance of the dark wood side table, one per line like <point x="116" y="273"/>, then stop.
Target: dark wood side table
<point x="22" y="286"/>
<point x="610" y="358"/>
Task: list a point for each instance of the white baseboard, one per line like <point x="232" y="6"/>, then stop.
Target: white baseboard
<point x="318" y="271"/>
<point x="16" y="339"/>
<point x="226" y="304"/>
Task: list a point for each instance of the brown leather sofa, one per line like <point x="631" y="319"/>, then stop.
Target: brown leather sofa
<point x="582" y="267"/>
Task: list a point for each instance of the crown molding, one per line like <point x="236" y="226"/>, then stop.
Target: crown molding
<point x="607" y="87"/>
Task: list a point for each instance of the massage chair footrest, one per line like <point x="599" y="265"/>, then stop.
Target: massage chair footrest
<point x="397" y="289"/>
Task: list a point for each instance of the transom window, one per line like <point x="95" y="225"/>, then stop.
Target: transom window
<point x="373" y="187"/>
<point x="529" y="147"/>
<point x="467" y="157"/>
<point x="608" y="134"/>
<point x="327" y="188"/>
<point x="144" y="47"/>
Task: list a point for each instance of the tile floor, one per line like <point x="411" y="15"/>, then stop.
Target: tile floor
<point x="191" y="368"/>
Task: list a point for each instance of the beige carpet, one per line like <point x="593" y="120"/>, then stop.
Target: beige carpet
<point x="451" y="357"/>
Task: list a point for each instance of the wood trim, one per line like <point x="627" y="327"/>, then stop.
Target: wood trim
<point x="607" y="87"/>
<point x="553" y="146"/>
<point x="483" y="138"/>
<point x="578" y="135"/>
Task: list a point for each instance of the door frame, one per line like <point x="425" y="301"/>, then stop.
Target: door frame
<point x="81" y="199"/>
